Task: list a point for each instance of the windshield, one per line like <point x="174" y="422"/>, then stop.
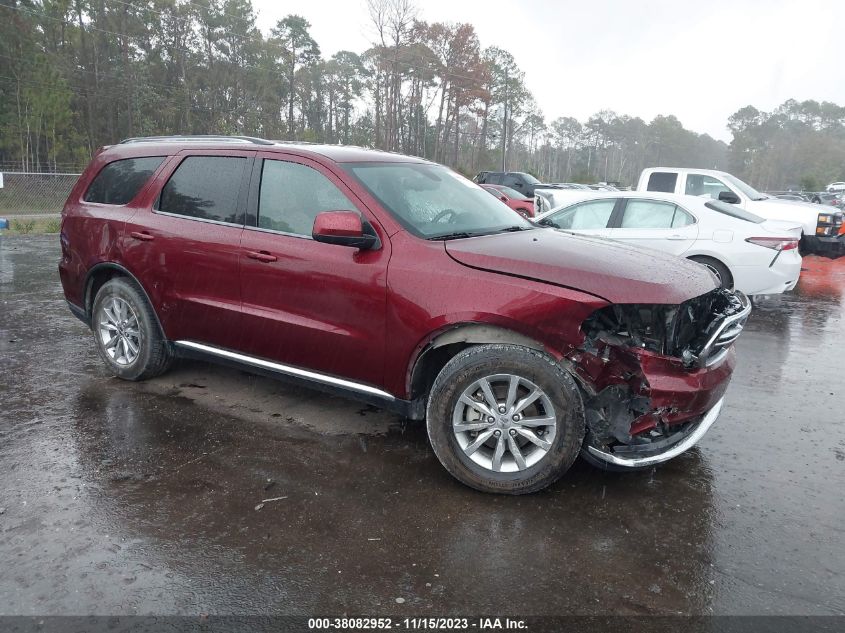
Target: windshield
<point x="748" y="190"/>
<point x="434" y="202"/>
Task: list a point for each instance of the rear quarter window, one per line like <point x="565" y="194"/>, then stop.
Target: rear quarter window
<point x="662" y="181"/>
<point x="119" y="182"/>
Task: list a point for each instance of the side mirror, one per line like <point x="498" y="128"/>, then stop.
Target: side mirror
<point x="729" y="196"/>
<point x="344" y="228"/>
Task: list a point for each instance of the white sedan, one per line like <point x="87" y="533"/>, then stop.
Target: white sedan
<point x="744" y="251"/>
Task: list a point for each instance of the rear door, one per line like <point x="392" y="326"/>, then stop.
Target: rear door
<point x="185" y="248"/>
<point x="305" y="303"/>
<point x="657" y="224"/>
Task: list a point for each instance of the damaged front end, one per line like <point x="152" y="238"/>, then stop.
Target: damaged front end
<point x="655" y="375"/>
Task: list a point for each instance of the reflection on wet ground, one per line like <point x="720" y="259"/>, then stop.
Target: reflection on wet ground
<point x="142" y="498"/>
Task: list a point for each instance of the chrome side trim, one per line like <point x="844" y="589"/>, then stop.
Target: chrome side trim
<point x="674" y="451"/>
<point x="286" y="369"/>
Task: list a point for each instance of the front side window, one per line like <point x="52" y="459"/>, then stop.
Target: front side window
<point x="292" y="195"/>
<point x="585" y="216"/>
<point x="205" y="187"/>
<point x="648" y="214"/>
<point x="707" y="186"/>
<point x="511" y="181"/>
<point x="434" y="202"/>
<point x="119" y="182"/>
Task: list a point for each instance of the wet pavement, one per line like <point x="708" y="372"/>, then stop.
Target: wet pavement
<point x="125" y="498"/>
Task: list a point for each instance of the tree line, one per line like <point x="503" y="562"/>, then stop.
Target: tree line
<point x="77" y="74"/>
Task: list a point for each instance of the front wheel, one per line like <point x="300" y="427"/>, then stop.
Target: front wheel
<point x="505" y="419"/>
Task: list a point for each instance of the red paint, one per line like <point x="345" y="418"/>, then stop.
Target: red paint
<point x="366" y="315"/>
<point x="522" y="204"/>
<point x="612" y="270"/>
<point x="338" y="224"/>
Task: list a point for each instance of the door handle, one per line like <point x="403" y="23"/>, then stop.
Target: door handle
<point x="142" y="236"/>
<point x="262" y="256"/>
<point x="676" y="237"/>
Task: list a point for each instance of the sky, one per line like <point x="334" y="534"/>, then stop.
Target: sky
<point x="699" y="60"/>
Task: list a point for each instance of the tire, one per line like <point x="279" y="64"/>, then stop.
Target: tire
<point x="141" y="352"/>
<point x="726" y="279"/>
<point x="499" y="364"/>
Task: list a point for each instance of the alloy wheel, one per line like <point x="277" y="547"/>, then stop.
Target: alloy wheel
<point x="119" y="331"/>
<point x="504" y="423"/>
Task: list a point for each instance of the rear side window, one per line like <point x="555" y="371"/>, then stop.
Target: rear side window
<point x="662" y="181"/>
<point x="205" y="187"/>
<point x="292" y="195"/>
<point x="119" y="182"/>
<point x="648" y="214"/>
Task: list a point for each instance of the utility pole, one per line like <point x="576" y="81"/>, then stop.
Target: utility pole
<point x="505" y="125"/>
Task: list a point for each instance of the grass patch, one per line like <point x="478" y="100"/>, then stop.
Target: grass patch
<point x="32" y="226"/>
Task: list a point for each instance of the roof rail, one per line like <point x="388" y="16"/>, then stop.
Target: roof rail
<point x="198" y="138"/>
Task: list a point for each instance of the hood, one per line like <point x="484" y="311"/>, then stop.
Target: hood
<point x="613" y="271"/>
<point x="777" y="209"/>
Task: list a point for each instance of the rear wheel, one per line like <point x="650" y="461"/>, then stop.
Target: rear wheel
<point x="127" y="333"/>
<point x="504" y="418"/>
<point x="721" y="271"/>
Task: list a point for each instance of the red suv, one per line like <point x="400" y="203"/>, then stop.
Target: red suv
<point x="399" y="282"/>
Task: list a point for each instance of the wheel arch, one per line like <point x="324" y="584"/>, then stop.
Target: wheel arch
<point x="708" y="255"/>
<point x="98" y="275"/>
<point x="445" y="345"/>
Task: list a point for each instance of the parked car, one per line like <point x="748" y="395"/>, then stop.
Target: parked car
<point x="791" y="196"/>
<point x="744" y="251"/>
<point x="819" y="237"/>
<point x="394" y="280"/>
<point x="519" y="180"/>
<point x="835" y="187"/>
<point x="830" y="199"/>
<point x="513" y="199"/>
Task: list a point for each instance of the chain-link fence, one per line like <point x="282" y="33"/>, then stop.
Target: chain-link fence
<point x="31" y="194"/>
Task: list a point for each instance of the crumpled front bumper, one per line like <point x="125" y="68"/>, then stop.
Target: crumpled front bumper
<point x="684" y="441"/>
<point x="644" y="407"/>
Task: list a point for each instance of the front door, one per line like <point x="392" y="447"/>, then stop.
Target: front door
<point x="312" y="305"/>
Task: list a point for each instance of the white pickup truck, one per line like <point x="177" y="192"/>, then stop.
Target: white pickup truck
<point x="821" y="225"/>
